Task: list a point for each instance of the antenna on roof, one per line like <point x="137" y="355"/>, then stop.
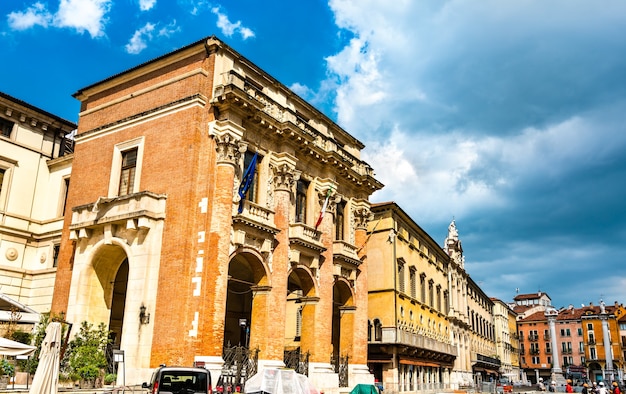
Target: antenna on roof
<point x="517" y="290"/>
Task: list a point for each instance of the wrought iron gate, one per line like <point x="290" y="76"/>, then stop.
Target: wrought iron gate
<point x="341" y="368"/>
<point x="240" y="364"/>
<point x="297" y="361"/>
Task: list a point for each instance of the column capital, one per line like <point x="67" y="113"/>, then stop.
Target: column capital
<point x="362" y="214"/>
<point x="227" y="136"/>
<point x="322" y="188"/>
<point x="284" y="170"/>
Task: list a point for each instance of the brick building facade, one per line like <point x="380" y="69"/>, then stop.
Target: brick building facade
<point x="159" y="245"/>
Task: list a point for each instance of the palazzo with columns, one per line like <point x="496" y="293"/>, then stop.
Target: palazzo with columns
<point x="211" y="206"/>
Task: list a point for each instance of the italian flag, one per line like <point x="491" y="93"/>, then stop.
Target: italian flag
<point x="323" y="211"/>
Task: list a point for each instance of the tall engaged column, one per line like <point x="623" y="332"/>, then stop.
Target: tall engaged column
<point x="284" y="175"/>
<point x="362" y="216"/>
<point x="211" y="273"/>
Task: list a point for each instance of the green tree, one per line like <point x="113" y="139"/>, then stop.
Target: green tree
<point x="86" y="354"/>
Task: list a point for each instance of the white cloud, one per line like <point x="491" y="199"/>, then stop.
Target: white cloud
<point x="140" y="39"/>
<point x="137" y="43"/>
<point x="229" y="28"/>
<point x="301" y="90"/>
<point x="80" y="15"/>
<point x="146" y="5"/>
<point x="169" y="29"/>
<point x="89" y="15"/>
<point x="35" y="15"/>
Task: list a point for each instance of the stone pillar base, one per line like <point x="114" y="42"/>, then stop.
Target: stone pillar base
<point x="324" y="378"/>
<point x="359" y="374"/>
<point x="263" y="364"/>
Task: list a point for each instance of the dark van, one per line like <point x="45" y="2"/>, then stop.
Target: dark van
<point x="179" y="380"/>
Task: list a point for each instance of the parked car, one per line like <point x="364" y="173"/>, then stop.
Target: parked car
<point x="504" y="385"/>
<point x="179" y="380"/>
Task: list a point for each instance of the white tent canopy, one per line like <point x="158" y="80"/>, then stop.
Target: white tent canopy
<point x="12" y="348"/>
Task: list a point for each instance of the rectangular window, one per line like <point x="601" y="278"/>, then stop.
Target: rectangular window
<point x="401" y="276"/>
<point x="55" y="254"/>
<point x="431" y="295"/>
<point x="339" y="222"/>
<point x="2" y="171"/>
<point x="580" y="331"/>
<point x="301" y="190"/>
<point x="6" y="126"/>
<point x="423" y="288"/>
<point x="251" y="192"/>
<point x="439" y="298"/>
<point x="127" y="176"/>
<point x="413" y="281"/>
<point x="299" y="323"/>
<point x="66" y="183"/>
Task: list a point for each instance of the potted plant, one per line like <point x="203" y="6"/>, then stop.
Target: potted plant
<point x="6" y="371"/>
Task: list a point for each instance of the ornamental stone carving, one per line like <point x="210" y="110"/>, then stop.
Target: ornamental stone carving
<point x="335" y="198"/>
<point x="11" y="254"/>
<point x="284" y="171"/>
<point x="285" y="177"/>
<point x="227" y="136"/>
<point x="227" y="149"/>
<point x="362" y="216"/>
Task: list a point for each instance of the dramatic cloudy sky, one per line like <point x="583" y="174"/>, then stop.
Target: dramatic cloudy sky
<point x="508" y="116"/>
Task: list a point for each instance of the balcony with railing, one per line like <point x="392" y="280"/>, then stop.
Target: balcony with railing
<point x="402" y="337"/>
<point x="533" y="337"/>
<point x="254" y="226"/>
<point x="345" y="259"/>
<point x="305" y="240"/>
<point x="137" y="211"/>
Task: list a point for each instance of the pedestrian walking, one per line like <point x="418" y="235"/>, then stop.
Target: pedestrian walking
<point x="568" y="386"/>
<point x="616" y="389"/>
<point x="585" y="389"/>
<point x="602" y="389"/>
<point x="542" y="387"/>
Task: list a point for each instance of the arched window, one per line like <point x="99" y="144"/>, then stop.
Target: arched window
<point x="378" y="330"/>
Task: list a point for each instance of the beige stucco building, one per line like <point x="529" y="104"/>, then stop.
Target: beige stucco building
<point x="35" y="165"/>
<point x="507" y="340"/>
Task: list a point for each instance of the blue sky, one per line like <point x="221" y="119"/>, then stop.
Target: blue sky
<point x="508" y="116"/>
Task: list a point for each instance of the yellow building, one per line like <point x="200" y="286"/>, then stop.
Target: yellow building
<point x="600" y="329"/>
<point x="409" y="336"/>
<point x="507" y="342"/>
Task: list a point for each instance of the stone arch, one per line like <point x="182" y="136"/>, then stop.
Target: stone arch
<point x="300" y="315"/>
<point x="247" y="276"/>
<point x="96" y="280"/>
<point x="343" y="319"/>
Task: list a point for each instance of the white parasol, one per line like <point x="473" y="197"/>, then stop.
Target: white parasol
<point x="46" y="380"/>
<point x="12" y="348"/>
